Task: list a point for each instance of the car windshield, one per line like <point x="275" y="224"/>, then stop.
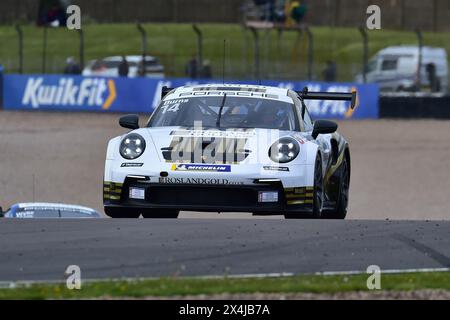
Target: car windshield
<point x="236" y="112"/>
<point x="51" y="212"/>
<point x="372" y="65"/>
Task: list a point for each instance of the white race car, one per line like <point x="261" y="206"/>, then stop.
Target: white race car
<point x="228" y="147"/>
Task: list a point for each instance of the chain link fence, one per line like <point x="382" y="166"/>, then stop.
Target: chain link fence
<point x="282" y="56"/>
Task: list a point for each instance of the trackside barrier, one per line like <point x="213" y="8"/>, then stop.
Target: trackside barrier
<point x="1" y="86"/>
<point x="415" y="107"/>
<point x="142" y="95"/>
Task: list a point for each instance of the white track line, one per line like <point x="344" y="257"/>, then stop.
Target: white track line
<point x="16" y="284"/>
<point x="392" y="271"/>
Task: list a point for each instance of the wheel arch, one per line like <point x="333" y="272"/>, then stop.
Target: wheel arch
<point x="348" y="159"/>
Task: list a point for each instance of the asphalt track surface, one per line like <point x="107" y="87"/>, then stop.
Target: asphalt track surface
<point x="399" y="172"/>
<point x="399" y="168"/>
<point x="107" y="248"/>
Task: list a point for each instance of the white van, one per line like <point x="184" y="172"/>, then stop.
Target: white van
<point x="394" y="69"/>
<point x="108" y="67"/>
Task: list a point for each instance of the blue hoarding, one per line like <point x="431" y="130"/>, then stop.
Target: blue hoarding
<point x="77" y="93"/>
<point x="56" y="92"/>
<point x="1" y="86"/>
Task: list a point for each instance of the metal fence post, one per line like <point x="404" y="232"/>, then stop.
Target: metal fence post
<point x="20" y="33"/>
<point x="365" y="37"/>
<point x="245" y="68"/>
<point x="81" y="35"/>
<point x="419" y="64"/>
<point x="256" y="48"/>
<point x="280" y="51"/>
<point x="266" y="70"/>
<point x="295" y="48"/>
<point x="199" y="34"/>
<point x="44" y="50"/>
<point x="310" y="53"/>
<point x="144" y="46"/>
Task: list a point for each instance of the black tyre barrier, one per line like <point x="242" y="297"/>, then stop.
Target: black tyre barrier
<point x="415" y="107"/>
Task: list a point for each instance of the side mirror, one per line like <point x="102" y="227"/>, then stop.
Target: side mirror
<point x="323" y="127"/>
<point x="1" y="212"/>
<point x="130" y="121"/>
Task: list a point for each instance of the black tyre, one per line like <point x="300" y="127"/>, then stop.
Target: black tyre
<point x="340" y="211"/>
<point x="161" y="214"/>
<point x="317" y="197"/>
<point x="121" y="213"/>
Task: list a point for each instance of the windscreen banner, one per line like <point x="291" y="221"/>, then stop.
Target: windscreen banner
<point x="142" y="95"/>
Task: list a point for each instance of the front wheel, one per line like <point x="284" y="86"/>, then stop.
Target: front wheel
<point x="121" y="213"/>
<point x="317" y="196"/>
<point x="161" y="214"/>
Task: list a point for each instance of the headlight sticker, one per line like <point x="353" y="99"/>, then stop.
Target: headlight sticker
<point x="131" y="164"/>
<point x="276" y="168"/>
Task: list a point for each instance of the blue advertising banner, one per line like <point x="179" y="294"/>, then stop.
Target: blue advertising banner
<point x="142" y="95"/>
<point x="77" y="93"/>
<point x="1" y="86"/>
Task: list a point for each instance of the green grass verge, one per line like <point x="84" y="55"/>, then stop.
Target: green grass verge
<point x="174" y="44"/>
<point x="166" y="287"/>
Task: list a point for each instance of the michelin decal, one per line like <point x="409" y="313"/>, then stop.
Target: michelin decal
<point x="201" y="167"/>
<point x="76" y="93"/>
<point x="89" y="91"/>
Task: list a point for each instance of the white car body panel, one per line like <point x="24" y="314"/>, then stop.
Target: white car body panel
<point x="299" y="173"/>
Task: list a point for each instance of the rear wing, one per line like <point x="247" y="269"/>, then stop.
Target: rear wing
<point x="342" y="96"/>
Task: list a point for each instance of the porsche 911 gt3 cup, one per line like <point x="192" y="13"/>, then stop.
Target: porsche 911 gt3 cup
<point x="223" y="148"/>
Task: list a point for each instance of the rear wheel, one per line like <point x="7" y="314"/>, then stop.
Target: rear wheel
<point x="340" y="211"/>
<point x="317" y="197"/>
<point x="161" y="214"/>
<point x="121" y="213"/>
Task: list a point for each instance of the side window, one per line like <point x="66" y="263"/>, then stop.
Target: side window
<point x="389" y="64"/>
<point x="308" y="121"/>
<point x="298" y="108"/>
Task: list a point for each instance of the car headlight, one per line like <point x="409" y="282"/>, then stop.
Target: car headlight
<point x="284" y="150"/>
<point x="132" y="146"/>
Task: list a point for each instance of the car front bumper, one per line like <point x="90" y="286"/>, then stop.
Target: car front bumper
<point x="213" y="198"/>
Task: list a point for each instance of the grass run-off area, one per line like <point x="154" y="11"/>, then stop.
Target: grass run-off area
<point x="175" y="44"/>
<point x="166" y="287"/>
